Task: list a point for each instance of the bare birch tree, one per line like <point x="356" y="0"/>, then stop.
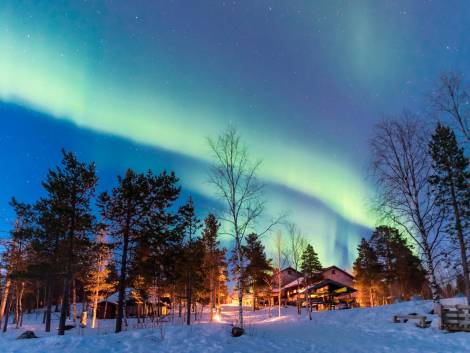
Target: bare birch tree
<point x="278" y="245"/>
<point x="452" y="98"/>
<point x="234" y="176"/>
<point x="297" y="245"/>
<point x="401" y="167"/>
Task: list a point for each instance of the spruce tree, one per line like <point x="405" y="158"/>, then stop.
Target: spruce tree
<point x="451" y="185"/>
<point x="402" y="272"/>
<point x="258" y="268"/>
<point x="311" y="266"/>
<point x="311" y="269"/>
<point x="367" y="271"/>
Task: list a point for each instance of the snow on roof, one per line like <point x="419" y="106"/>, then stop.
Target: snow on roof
<point x="113" y="298"/>
<point x="293" y="283"/>
<point x="326" y="282"/>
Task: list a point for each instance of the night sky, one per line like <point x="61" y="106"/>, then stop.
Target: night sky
<point x="142" y="83"/>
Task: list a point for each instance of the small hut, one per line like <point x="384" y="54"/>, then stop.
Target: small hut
<point x="107" y="308"/>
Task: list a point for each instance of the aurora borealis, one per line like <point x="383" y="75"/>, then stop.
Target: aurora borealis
<point x="143" y="83"/>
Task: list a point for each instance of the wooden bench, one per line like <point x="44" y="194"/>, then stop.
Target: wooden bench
<point x="404" y="318"/>
<point x="455" y="317"/>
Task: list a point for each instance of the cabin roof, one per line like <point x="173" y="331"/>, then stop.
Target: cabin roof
<point x="329" y="282"/>
<point x="339" y="269"/>
<point x="292" y="269"/>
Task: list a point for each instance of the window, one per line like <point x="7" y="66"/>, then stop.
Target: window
<point x="333" y="272"/>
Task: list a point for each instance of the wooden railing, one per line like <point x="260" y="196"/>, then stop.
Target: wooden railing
<point x="455" y="317"/>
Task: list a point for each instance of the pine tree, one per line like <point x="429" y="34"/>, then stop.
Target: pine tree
<point x="124" y="212"/>
<point x="189" y="226"/>
<point x="311" y="266"/>
<point x="155" y="251"/>
<point x="367" y="271"/>
<point x="311" y="269"/>
<point x="258" y="267"/>
<point x="451" y="185"/>
<point x="402" y="271"/>
<point x="214" y="262"/>
<point x="70" y="189"/>
<point x="49" y="253"/>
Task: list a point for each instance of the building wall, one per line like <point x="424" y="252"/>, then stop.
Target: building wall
<point x="338" y="276"/>
<point x="288" y="275"/>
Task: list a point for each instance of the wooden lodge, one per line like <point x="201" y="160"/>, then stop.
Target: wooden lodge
<point x="333" y="291"/>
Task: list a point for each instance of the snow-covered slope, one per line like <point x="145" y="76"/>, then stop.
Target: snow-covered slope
<point x="357" y="330"/>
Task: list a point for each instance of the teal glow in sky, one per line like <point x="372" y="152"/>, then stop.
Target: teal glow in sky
<point x="303" y="81"/>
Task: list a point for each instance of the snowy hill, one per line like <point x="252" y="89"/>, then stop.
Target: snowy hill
<point x="357" y="330"/>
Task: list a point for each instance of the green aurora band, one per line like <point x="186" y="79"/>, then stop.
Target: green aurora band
<point x="43" y="67"/>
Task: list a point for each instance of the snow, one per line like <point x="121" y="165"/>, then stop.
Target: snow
<point x="454" y="301"/>
<point x="354" y="330"/>
<point x="113" y="298"/>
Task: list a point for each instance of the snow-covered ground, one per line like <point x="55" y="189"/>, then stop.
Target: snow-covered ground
<point x="356" y="330"/>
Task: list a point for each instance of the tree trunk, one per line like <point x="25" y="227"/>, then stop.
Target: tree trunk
<point x="74" y="301"/>
<point x="431" y="275"/>
<point x="240" y="282"/>
<point x="122" y="283"/>
<point x="254" y="299"/>
<point x="308" y="299"/>
<point x="462" y="244"/>
<point x="19" y="306"/>
<point x="69" y="271"/>
<point x="6" y="292"/>
<point x="211" y="295"/>
<point x="188" y="301"/>
<point x="49" y="305"/>
<point x="95" y="308"/>
<point x="65" y="304"/>
<point x="279" y="291"/>
<point x="299" y="309"/>
<point x="37" y="298"/>
<point x="7" y="312"/>
<point x="105" y="308"/>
